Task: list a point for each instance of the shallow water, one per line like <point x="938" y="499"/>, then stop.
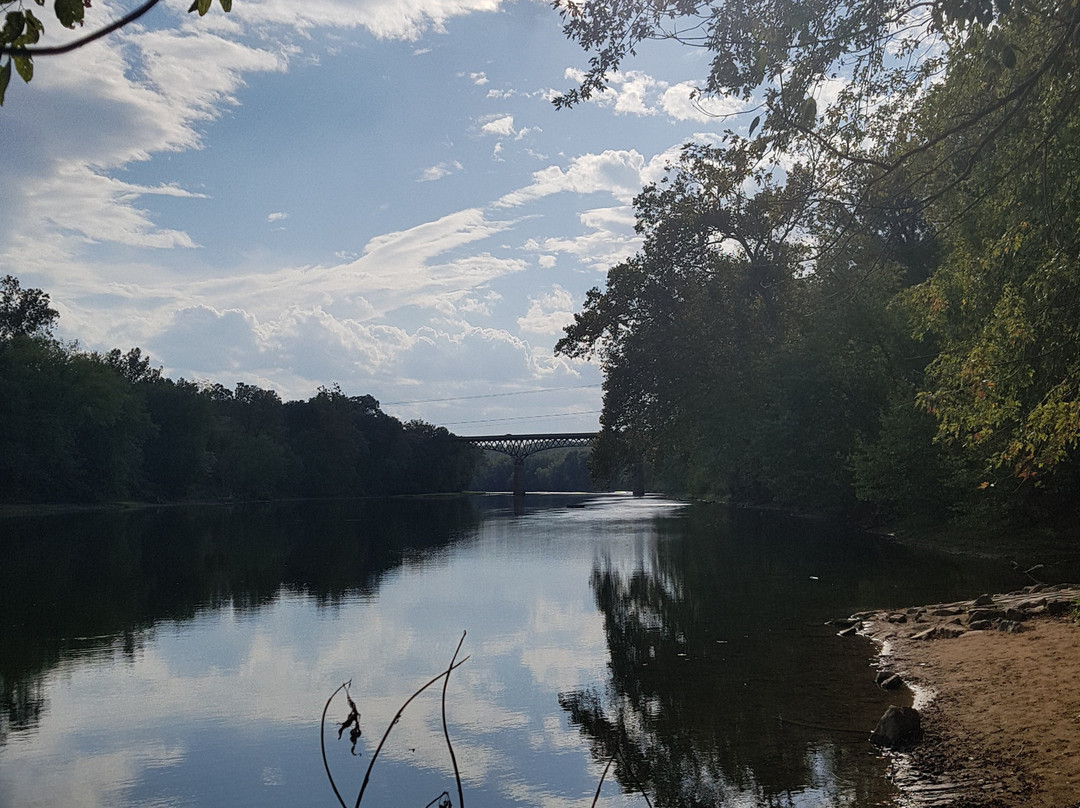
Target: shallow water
<point x="183" y="656"/>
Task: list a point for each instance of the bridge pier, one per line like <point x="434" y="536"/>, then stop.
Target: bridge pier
<point x="519" y="477"/>
<point x="639" y="478"/>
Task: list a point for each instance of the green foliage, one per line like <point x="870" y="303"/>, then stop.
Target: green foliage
<point x="840" y="80"/>
<point x="550" y="470"/>
<point x="777" y="369"/>
<point x="85" y="427"/>
<point x="914" y="344"/>
<point x="72" y="427"/>
<point x="24" y="312"/>
<point x="1004" y="306"/>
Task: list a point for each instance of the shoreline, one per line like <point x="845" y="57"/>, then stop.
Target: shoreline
<point x="996" y="682"/>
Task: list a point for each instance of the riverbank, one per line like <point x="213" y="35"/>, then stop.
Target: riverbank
<point x="997" y="685"/>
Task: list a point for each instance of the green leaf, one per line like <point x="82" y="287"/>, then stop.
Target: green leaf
<point x="808" y="112"/>
<point x="70" y="12"/>
<point x="34" y="29"/>
<point x="13" y="26"/>
<point x="5" y="77"/>
<point x="25" y="67"/>
<point x="226" y="5"/>
<point x="204" y="6"/>
<point x="753" y="125"/>
<point x="1008" y="57"/>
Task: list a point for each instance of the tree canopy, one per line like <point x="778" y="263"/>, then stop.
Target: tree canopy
<point x="24" y="311"/>
<point x="875" y="303"/>
<point x="843" y="78"/>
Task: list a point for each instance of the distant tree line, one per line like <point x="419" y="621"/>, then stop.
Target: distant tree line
<point x="550" y="470"/>
<point x="79" y="426"/>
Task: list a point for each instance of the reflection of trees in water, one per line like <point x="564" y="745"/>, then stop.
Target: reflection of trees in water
<point x="95" y="584"/>
<point x="22" y="705"/>
<point x="713" y="638"/>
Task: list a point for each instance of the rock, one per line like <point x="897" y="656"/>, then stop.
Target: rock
<point x="891" y="683"/>
<point x="850" y="631"/>
<point x="925" y="634"/>
<point x="982" y="600"/>
<point x="984" y="614"/>
<point x="946" y="611"/>
<point x="896" y="617"/>
<point x="882" y="676"/>
<point x="1059" y="607"/>
<point x="980" y="625"/>
<point x="843" y="622"/>
<point x="951" y="630"/>
<point x="1010" y="626"/>
<point x="898" y="727"/>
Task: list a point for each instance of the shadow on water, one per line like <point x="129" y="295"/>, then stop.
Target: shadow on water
<point x="725" y="684"/>
<point x="96" y="583"/>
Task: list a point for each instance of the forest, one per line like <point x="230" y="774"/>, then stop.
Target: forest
<point x="82" y="427"/>
<point x="873" y="289"/>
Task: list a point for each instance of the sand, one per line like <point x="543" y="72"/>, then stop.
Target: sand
<point x="1000" y="706"/>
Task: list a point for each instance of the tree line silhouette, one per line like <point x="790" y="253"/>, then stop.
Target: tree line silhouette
<point x="82" y="426"/>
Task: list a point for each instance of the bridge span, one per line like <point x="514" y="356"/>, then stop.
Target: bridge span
<point x="521" y="446"/>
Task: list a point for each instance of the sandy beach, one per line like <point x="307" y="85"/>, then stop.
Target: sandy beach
<point x="997" y="686"/>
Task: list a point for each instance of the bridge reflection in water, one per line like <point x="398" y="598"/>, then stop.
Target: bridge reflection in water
<point x="521" y="446"/>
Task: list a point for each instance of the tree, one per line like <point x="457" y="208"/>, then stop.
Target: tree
<point x="133" y="366"/>
<point x="874" y="58"/>
<point x="1004" y="305"/>
<point x="24" y="311"/>
<point x="22" y="30"/>
<point x="682" y="327"/>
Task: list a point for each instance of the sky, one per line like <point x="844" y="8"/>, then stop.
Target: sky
<point x="374" y="194"/>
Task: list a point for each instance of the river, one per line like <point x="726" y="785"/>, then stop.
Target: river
<point x="183" y="656"/>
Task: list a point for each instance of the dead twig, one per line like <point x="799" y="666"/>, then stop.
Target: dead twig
<point x="600" y="785"/>
<point x="322" y="741"/>
<point x="446" y="732"/>
<point x="397" y="716"/>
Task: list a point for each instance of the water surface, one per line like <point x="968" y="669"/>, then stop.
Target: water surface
<point x="183" y="656"/>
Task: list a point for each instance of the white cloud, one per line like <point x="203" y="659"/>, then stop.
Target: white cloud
<point x="479" y="79"/>
<point x="277" y="216"/>
<point x="549" y="313"/>
<point x="112" y="103"/>
<point x="202" y="340"/>
<point x="439" y="170"/>
<point x="680" y="102"/>
<point x="617" y="172"/>
<point x="633" y="92"/>
<point x="639" y="94"/>
<point x="499" y="125"/>
<point x="384" y="19"/>
<point x="609" y="239"/>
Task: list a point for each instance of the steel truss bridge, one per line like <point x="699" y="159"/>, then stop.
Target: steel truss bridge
<point x="521" y="446"/>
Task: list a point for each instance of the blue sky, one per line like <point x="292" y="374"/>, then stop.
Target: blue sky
<point x="377" y="194"/>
